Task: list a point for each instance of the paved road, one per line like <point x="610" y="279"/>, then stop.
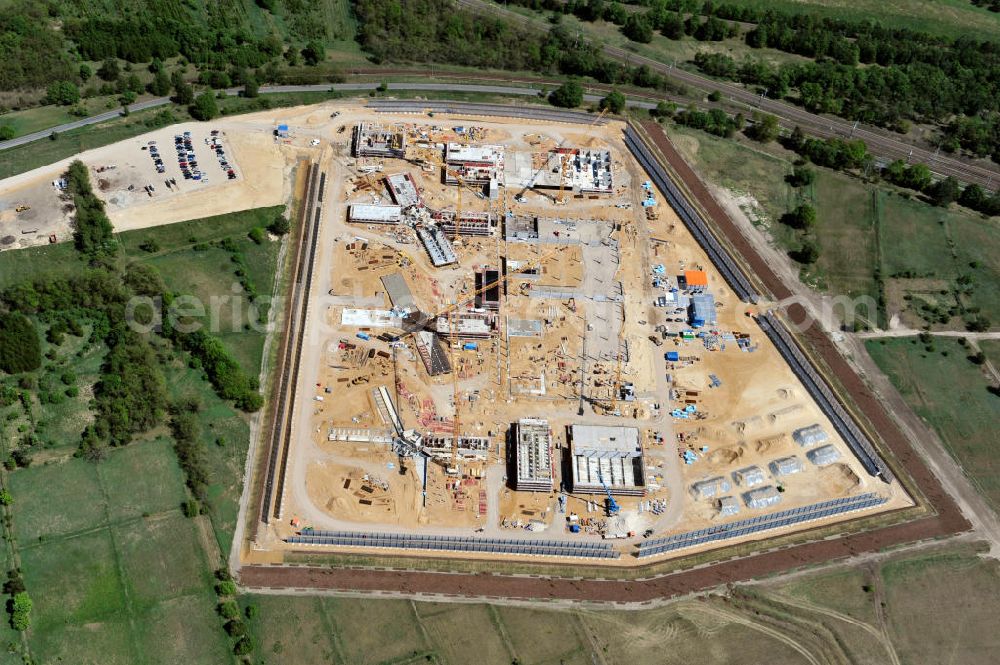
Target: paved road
<point x="880" y="142"/>
<point x="324" y="87"/>
<point x="910" y="332"/>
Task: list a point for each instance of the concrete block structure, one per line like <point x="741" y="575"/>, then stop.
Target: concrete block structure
<point x="489" y="298"/>
<point x="475" y="164"/>
<point x="602" y="455"/>
<point x="468" y="325"/>
<point x="469" y="447"/>
<point x="532" y="448"/>
<point x="470" y="223"/>
<point x="438" y="247"/>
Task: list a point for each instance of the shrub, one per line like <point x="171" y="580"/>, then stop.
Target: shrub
<point x="229" y="609"/>
<point x="236" y="628"/>
<point x="225" y="588"/>
<point x="257" y="235"/>
<point x="280" y="226"/>
<point x="20" y="350"/>
<point x="20" y="616"/>
<point x="614" y="102"/>
<point x="568" y="95"/>
<point x="204" y="107"/>
<point x="243" y="646"/>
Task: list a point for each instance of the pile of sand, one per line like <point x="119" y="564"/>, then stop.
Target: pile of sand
<point x="771" y="444"/>
<point x="726" y="455"/>
<point x="839" y="477"/>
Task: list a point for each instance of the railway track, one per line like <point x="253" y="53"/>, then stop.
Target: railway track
<point x="881" y="143"/>
<point x="475" y="108"/>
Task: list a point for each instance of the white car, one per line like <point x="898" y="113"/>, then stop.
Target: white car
<point x="314" y="142"/>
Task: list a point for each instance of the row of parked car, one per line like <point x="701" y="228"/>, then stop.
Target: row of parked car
<point x="215" y="143"/>
<point x="186" y="158"/>
<point x="154" y="152"/>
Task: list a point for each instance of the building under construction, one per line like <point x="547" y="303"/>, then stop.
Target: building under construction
<point x="606" y="458"/>
<point x="474" y="164"/>
<point x="532" y="451"/>
<point x="469" y="447"/>
<point x="374" y="140"/>
<point x="468" y="325"/>
<point x="469" y="223"/>
<point x="488" y="298"/>
<point x="403" y="190"/>
<point x="438" y="247"/>
<point x="373" y="214"/>
<point x="431" y="352"/>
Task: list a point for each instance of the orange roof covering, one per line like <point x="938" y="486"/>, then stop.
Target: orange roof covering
<point x="696" y="278"/>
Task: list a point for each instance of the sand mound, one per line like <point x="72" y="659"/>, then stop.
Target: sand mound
<point x="748" y="425"/>
<point x="781" y="414"/>
<point x="770" y="444"/>
<point x="726" y="455"/>
<point x="840" y="477"/>
<point x="786" y="393"/>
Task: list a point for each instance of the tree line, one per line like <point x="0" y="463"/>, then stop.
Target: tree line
<point x="908" y="75"/>
<point x="420" y="31"/>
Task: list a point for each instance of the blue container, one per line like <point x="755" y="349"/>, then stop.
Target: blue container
<point x="574" y="528"/>
<point x="672" y="356"/>
<point x="470" y="346"/>
<point x="364" y="336"/>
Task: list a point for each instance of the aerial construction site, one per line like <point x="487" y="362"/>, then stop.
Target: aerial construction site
<point x="509" y="332"/>
<point x="512" y="336"/>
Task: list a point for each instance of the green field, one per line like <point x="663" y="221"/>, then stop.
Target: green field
<point x="191" y="265"/>
<point x="917" y="239"/>
<point x="991" y="347"/>
<point x="116" y="573"/>
<point x="948" y="391"/>
<point x="941" y="607"/>
<point x="830" y="615"/>
<point x="43" y="117"/>
<point x="207" y="272"/>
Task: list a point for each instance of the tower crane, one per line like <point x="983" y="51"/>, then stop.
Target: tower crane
<point x="437" y="161"/>
<point x="450" y="311"/>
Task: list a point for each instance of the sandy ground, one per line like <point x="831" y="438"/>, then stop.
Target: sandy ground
<point x="746" y="420"/>
<point x="607" y="312"/>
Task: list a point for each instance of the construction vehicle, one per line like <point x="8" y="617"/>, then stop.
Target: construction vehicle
<point x="611" y="506"/>
<point x="22" y="208"/>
